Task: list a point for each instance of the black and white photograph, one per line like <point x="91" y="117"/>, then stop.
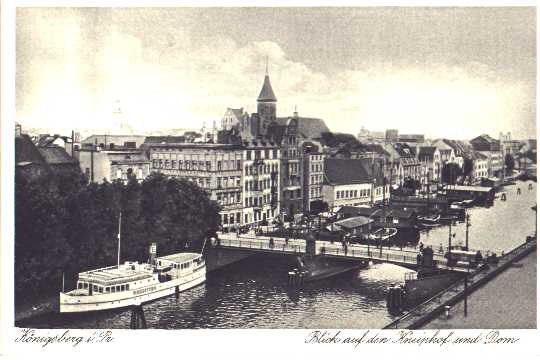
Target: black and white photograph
<point x="273" y="167"/>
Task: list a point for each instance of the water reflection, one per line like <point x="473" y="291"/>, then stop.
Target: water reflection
<point x="254" y="293"/>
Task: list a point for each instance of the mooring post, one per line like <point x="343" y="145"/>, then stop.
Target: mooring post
<point x="465" y="299"/>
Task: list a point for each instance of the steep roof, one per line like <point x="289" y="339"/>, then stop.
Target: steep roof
<point x="26" y="151"/>
<point x="310" y="128"/>
<point x="426" y="152"/>
<point x="266" y="94"/>
<point x="55" y="155"/>
<point x="346" y="171"/>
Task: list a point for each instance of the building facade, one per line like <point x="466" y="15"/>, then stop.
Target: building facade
<point x="261" y="196"/>
<point x="216" y="168"/>
<point x="313" y="175"/>
<point x="101" y="164"/>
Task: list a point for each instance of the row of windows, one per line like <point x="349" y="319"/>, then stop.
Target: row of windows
<point x="229" y="198"/>
<point x="261" y="154"/>
<point x="261" y="169"/>
<point x="316" y="179"/>
<point x="196" y="164"/>
<point x="292" y="194"/>
<point x="346" y="194"/>
<point x="316" y="167"/>
<point x="258" y="201"/>
<point x="290" y="153"/>
<point x="316" y="192"/>
<point x="101" y="289"/>
<point x="230" y="219"/>
<point x="228" y="182"/>
<point x="293" y="168"/>
<point x="254" y="185"/>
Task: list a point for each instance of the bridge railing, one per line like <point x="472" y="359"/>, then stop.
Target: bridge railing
<point x="264" y="244"/>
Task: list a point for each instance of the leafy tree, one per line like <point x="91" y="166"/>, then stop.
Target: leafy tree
<point x="467" y="167"/>
<point x="509" y="162"/>
<point x="450" y="173"/>
<point x="318" y="206"/>
<point x="64" y="225"/>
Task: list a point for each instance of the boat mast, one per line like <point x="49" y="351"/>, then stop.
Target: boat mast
<point x="204" y="243"/>
<point x="119" y="236"/>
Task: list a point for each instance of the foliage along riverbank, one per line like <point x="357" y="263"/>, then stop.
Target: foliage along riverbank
<point x="63" y="224"/>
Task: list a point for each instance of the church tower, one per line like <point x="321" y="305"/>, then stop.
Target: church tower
<point x="266" y="104"/>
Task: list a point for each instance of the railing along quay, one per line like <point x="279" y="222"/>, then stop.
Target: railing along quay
<point x="432" y="307"/>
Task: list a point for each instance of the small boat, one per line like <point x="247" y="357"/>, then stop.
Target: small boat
<point x="383" y="234"/>
<point x="319" y="267"/>
<point x="429" y="220"/>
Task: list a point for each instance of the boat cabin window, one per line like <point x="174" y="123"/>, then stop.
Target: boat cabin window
<point x="107" y="289"/>
<point x="127" y="287"/>
<point x="95" y="288"/>
<point x="80" y="286"/>
<point x="85" y="285"/>
<point x="122" y="288"/>
<point x="113" y="289"/>
<point x="101" y="289"/>
<point x="117" y="288"/>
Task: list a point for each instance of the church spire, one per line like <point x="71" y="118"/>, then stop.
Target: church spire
<point x="267" y="94"/>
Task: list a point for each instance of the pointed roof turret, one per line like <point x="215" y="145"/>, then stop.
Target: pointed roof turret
<point x="266" y="94"/>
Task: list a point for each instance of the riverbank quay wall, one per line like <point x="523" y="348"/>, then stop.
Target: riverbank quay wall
<point x="434" y="306"/>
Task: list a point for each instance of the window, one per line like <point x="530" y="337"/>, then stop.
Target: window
<point x="107" y="289"/>
<point x="100" y="289"/>
<point x="248" y="155"/>
<point x="238" y="165"/>
<point x="117" y="288"/>
<point x="122" y="288"/>
<point x="219" y="165"/>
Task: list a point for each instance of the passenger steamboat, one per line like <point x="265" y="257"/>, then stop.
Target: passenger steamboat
<point x="133" y="283"/>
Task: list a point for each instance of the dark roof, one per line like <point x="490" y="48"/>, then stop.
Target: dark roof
<point x="426" y="152"/>
<point x="346" y="171"/>
<point x="165" y="139"/>
<point x="266" y="94"/>
<point x="26" y="151"/>
<point x="55" y="155"/>
<point x="310" y="128"/>
<point x="357" y="211"/>
<point x="276" y="131"/>
<point x="404" y="150"/>
<point x="376" y="148"/>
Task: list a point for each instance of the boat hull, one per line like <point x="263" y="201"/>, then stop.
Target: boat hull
<point x="154" y="291"/>
<point x="320" y="267"/>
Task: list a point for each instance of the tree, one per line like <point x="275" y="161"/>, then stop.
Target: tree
<point x="318" y="206"/>
<point x="509" y="163"/>
<point x="467" y="167"/>
<point x="63" y="225"/>
<point x="450" y="173"/>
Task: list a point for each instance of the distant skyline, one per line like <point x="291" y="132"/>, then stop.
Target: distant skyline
<point x="442" y="72"/>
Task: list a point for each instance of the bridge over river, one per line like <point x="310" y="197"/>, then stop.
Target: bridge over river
<point x="406" y="257"/>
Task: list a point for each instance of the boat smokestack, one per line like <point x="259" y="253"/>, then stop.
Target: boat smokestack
<point x="153" y="253"/>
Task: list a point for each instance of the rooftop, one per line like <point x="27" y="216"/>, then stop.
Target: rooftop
<point x="180" y="257"/>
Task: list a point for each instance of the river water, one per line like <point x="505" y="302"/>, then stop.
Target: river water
<point x="253" y="293"/>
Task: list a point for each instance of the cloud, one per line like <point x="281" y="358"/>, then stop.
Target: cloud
<point x="171" y="77"/>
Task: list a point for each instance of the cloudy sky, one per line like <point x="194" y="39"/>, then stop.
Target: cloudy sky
<point x="454" y="72"/>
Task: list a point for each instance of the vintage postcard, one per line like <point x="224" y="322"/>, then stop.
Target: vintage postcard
<point x="324" y="179"/>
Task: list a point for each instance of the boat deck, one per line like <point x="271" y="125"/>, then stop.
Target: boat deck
<point x="115" y="275"/>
